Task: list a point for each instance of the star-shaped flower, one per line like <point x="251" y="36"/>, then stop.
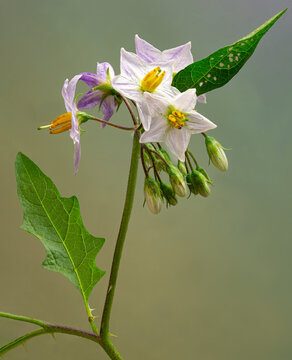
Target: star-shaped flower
<point x="138" y="78"/>
<point x="174" y="121"/>
<point x="181" y="55"/>
<point x="103" y="96"/>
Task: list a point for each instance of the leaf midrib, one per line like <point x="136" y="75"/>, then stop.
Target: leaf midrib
<point x="59" y="235"/>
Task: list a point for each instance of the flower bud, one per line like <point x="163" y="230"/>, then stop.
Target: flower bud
<point x="165" y="155"/>
<point x="200" y="183"/>
<point x="152" y="195"/>
<point x="203" y="171"/>
<point x="177" y="181"/>
<point x="192" y="189"/>
<point x="216" y="153"/>
<point x="168" y="194"/>
<point x="159" y="163"/>
<point x="182" y="168"/>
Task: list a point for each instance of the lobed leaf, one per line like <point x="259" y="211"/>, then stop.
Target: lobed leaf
<point x="56" y="222"/>
<point x="218" y="68"/>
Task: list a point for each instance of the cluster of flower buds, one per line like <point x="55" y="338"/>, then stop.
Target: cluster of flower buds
<point x="188" y="175"/>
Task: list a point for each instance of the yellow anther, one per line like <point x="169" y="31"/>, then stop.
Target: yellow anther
<point x="61" y="123"/>
<point x="152" y="80"/>
<point x="178" y="114"/>
<point x="177" y="119"/>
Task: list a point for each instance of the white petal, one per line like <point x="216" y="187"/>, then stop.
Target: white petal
<point x="181" y="54"/>
<point x="158" y="104"/>
<point x="146" y="51"/>
<point x="132" y="66"/>
<point x="127" y="87"/>
<point x="186" y="101"/>
<point x="156" y="132"/>
<point x="198" y="123"/>
<point x="178" y="140"/>
<point x="144" y="114"/>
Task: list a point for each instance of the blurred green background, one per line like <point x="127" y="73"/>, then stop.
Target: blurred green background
<point x="209" y="279"/>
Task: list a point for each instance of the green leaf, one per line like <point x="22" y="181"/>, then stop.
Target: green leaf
<point x="57" y="223"/>
<point x="218" y="68"/>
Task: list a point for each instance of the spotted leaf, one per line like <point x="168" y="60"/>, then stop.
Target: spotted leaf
<point x="57" y="223"/>
<point x="218" y="68"/>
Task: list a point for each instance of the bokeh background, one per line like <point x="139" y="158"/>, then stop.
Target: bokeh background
<point x="209" y="279"/>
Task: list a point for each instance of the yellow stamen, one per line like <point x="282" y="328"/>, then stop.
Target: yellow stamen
<point x="61" y="123"/>
<point x="152" y="80"/>
<point x="177" y="119"/>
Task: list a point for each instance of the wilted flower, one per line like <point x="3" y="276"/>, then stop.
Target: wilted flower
<point x="139" y="78"/>
<point x="70" y="120"/>
<point x="173" y="121"/>
<point x="102" y="93"/>
<point x="216" y="153"/>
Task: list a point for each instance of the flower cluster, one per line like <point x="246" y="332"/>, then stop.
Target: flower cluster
<point x="163" y="115"/>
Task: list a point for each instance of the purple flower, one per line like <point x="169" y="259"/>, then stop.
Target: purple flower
<point x="103" y="96"/>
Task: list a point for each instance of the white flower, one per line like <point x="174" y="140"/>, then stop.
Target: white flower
<point x="138" y="78"/>
<point x="181" y="55"/>
<point x="174" y="121"/>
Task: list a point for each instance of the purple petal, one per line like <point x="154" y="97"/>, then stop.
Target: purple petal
<point x="91" y="80"/>
<point x="101" y="71"/>
<point x="108" y="108"/>
<point x="90" y="100"/>
<point x="75" y="136"/>
<point x="68" y="92"/>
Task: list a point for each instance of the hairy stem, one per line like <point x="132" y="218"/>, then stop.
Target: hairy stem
<point x="46" y="329"/>
<point x="104" y="329"/>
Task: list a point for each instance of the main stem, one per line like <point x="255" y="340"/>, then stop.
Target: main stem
<point x="104" y="329"/>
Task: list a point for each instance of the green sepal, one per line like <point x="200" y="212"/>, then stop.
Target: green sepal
<point x="219" y="68"/>
<point x="57" y="223"/>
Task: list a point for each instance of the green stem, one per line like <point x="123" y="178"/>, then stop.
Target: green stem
<point x="23" y="318"/>
<point x="104" y="329"/>
<point x="46" y="329"/>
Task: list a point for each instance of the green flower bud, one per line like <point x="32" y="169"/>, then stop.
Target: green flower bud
<point x="159" y="163"/>
<point x="192" y="189"/>
<point x="203" y="171"/>
<point x="152" y="195"/>
<point x="165" y="155"/>
<point x="200" y="183"/>
<point x="168" y="194"/>
<point x="177" y="181"/>
<point x="216" y="153"/>
<point x="182" y="168"/>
